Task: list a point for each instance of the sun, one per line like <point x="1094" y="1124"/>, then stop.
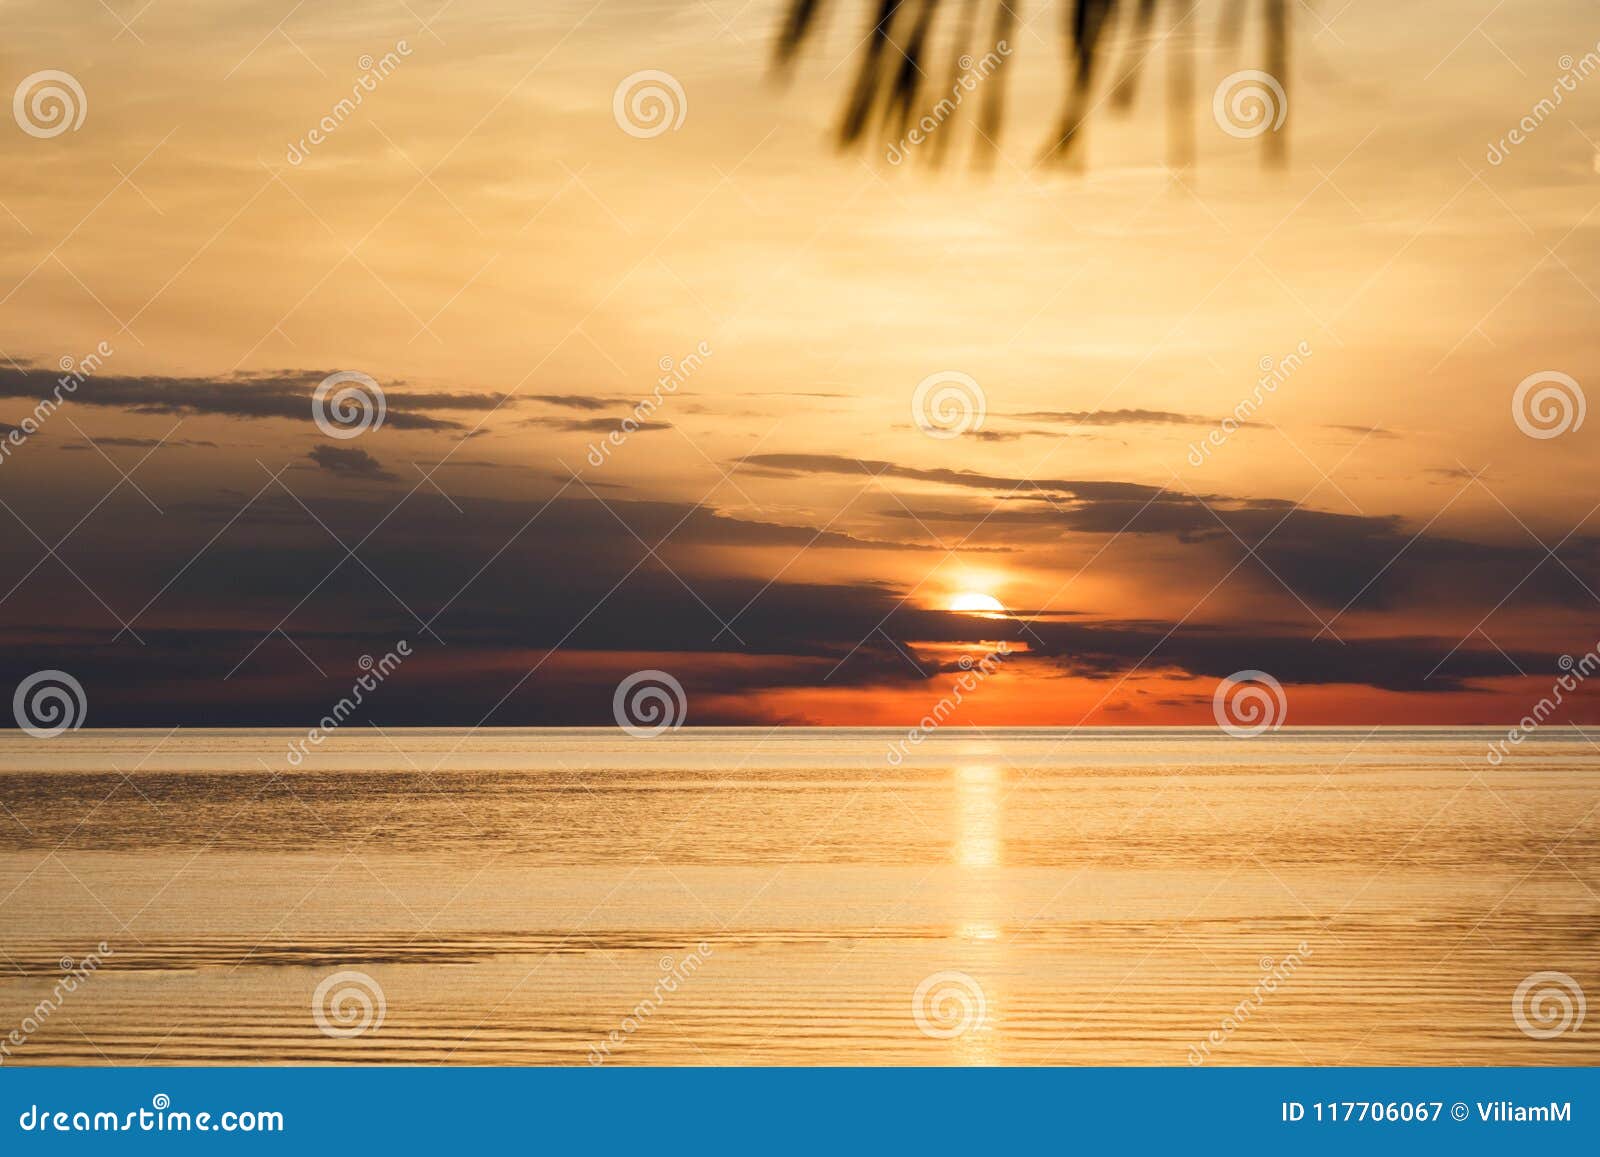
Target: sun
<point x="977" y="603"/>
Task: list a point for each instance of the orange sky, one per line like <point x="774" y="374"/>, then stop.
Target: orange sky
<point x="483" y="238"/>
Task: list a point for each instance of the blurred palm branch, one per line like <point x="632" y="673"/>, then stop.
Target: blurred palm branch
<point x="1108" y="46"/>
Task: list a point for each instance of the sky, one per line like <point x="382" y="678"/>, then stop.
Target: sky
<point x="1257" y="412"/>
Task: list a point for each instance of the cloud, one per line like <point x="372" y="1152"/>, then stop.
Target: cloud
<point x="1117" y="417"/>
<point x="601" y="425"/>
<point x="279" y="394"/>
<point x="573" y="401"/>
<point x="795" y="464"/>
<point x="1364" y="431"/>
<point x="137" y="443"/>
<point x="549" y="660"/>
<point x="1328" y="559"/>
<point x="1405" y="663"/>
<point x="349" y="462"/>
<point x="992" y="435"/>
<point x="588" y="591"/>
<point x="792" y="394"/>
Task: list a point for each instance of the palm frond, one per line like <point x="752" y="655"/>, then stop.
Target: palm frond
<point x="889" y="93"/>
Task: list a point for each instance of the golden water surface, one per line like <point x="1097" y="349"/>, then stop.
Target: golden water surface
<point x="757" y="897"/>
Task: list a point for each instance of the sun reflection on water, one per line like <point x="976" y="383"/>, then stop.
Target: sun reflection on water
<point x="979" y="849"/>
<point x="978" y="816"/>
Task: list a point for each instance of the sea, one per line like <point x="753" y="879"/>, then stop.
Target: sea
<point x="793" y="896"/>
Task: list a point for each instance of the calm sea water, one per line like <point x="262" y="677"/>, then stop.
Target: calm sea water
<point x="751" y="896"/>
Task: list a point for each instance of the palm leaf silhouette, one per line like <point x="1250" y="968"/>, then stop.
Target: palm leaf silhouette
<point x="889" y="93"/>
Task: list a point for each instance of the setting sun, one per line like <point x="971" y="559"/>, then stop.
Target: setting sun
<point x="973" y="602"/>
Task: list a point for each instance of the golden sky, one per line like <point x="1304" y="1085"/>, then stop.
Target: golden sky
<point x="483" y="238"/>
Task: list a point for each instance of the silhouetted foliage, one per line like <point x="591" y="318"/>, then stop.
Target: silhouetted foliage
<point x="896" y="62"/>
